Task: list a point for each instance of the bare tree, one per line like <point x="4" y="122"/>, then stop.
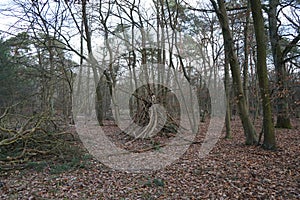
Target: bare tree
<point x="268" y="127"/>
<point x="280" y="56"/>
<point x="230" y="55"/>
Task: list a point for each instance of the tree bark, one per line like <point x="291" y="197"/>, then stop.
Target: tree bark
<point x="268" y="127"/>
<point x="88" y="33"/>
<point x="228" y="107"/>
<point x="283" y="119"/>
<point x="249" y="130"/>
<point x="246" y="55"/>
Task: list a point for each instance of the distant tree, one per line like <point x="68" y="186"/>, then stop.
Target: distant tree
<point x="15" y="84"/>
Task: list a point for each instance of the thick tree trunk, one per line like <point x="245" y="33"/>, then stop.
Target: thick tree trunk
<point x="283" y="119"/>
<point x="268" y="127"/>
<point x="250" y="133"/>
<point x="103" y="100"/>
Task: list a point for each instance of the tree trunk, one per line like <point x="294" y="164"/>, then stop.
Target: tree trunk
<point x="250" y="133"/>
<point x="228" y="107"/>
<point x="268" y="127"/>
<point x="88" y="34"/>
<point x="246" y="54"/>
<point x="283" y="119"/>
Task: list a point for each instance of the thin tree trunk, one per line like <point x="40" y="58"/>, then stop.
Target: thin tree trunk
<point x="88" y="34"/>
<point x="255" y="93"/>
<point x="228" y="107"/>
<point x="79" y="99"/>
<point x="246" y="54"/>
<point x="50" y="87"/>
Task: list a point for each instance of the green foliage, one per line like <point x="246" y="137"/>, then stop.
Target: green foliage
<point x="75" y="163"/>
<point x="57" y="166"/>
<point x="7" y="70"/>
<point x="20" y="43"/>
<point x="156" y="145"/>
<point x="37" y="165"/>
<point x="15" y="82"/>
<point x="157" y="182"/>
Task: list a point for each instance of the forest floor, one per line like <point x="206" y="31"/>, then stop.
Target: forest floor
<point x="230" y="171"/>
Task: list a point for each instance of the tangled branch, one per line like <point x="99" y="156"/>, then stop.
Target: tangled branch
<point x="36" y="136"/>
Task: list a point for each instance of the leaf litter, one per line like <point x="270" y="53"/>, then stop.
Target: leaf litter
<point x="232" y="170"/>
